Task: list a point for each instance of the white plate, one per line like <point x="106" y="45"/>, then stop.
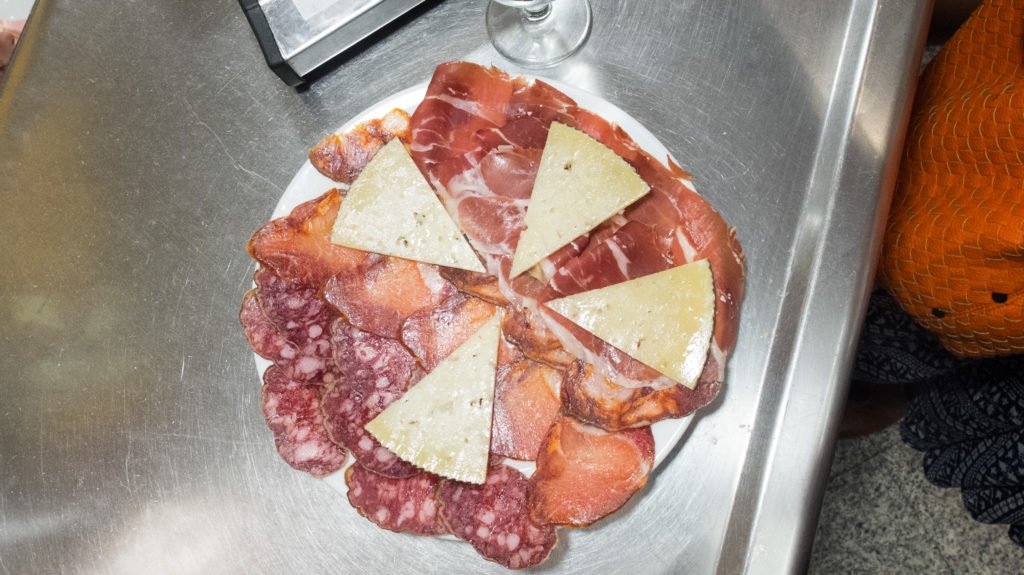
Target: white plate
<point x="309" y="184"/>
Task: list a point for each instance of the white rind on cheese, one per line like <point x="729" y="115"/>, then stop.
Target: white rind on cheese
<point x="580" y="183"/>
<point x="443" y="424"/>
<point x="392" y="210"/>
<point x="665" y="320"/>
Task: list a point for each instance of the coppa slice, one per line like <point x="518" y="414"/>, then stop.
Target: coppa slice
<point x="443" y="425"/>
<point x="580" y="183"/>
<point x="585" y="473"/>
<point x="664" y="319"/>
<point x="391" y="209"/>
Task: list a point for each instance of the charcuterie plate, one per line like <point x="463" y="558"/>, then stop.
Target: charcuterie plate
<point x="308" y="184"/>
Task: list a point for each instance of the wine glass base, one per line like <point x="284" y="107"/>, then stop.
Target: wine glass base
<point x="539" y="42"/>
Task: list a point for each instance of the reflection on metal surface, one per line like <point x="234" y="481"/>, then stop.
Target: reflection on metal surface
<point x="139" y="169"/>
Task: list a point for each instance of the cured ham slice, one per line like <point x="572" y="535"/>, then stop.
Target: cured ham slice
<point x="468" y="149"/>
<point x="341" y="157"/>
<point x="688" y="227"/>
<point x="526" y="403"/>
<point x="373" y="372"/>
<point x="494" y="518"/>
<point x="292" y="411"/>
<point x="433" y="334"/>
<point x="405" y="505"/>
<point x="585" y="473"/>
<point x="288" y="324"/>
<point x="592" y="397"/>
<point x="477" y="135"/>
<point x="630" y="252"/>
<point x="297" y="247"/>
<point x="385" y="292"/>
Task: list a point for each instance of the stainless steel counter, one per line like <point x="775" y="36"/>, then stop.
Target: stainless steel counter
<point x="139" y="148"/>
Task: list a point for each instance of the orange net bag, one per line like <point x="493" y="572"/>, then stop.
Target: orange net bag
<point x="954" y="248"/>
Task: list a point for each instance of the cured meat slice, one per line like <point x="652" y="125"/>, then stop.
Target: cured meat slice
<point x="630" y="252"/>
<point x="494" y="518"/>
<point x="585" y="473"/>
<point x="475" y="284"/>
<point x="528" y="331"/>
<point x="386" y="291"/>
<point x="297" y="247"/>
<point x="292" y="411"/>
<point x="405" y="505"/>
<point x="526" y="403"/>
<point x="433" y="334"/>
<point x="477" y="136"/>
<point x="341" y="157"/>
<point x="592" y="397"/>
<point x="461" y="100"/>
<point x="374" y="372"/>
<point x="686" y="224"/>
<point x="680" y="226"/>
<point x="289" y="324"/>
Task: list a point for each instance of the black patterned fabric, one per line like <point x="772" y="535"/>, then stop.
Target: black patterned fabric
<point x="967" y="416"/>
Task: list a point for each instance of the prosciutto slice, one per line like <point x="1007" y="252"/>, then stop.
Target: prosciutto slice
<point x="526" y="403"/>
<point x="373" y="372"/>
<point x="292" y="411"/>
<point x="476" y="131"/>
<point x="585" y="473"/>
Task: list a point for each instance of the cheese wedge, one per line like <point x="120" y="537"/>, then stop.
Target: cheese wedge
<point x="443" y="424"/>
<point x="664" y="320"/>
<point x="391" y="209"/>
<point x="580" y="183"/>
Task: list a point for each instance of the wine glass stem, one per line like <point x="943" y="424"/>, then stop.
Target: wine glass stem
<point x="537" y="14"/>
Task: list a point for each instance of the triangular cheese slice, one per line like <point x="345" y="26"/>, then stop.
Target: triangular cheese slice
<point x="391" y="209"/>
<point x="664" y="320"/>
<point x="443" y="424"/>
<point x="580" y="183"/>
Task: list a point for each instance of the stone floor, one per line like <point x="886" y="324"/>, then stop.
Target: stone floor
<point x="881" y="516"/>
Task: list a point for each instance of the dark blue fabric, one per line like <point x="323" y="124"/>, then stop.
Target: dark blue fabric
<point x="967" y="416"/>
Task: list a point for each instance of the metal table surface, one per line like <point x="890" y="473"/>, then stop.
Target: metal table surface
<point x="139" y="148"/>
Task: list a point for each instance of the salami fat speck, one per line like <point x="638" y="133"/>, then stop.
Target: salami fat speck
<point x="494" y="518"/>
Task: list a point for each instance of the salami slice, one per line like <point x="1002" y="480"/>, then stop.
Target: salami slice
<point x="494" y="518"/>
<point x="292" y="411"/>
<point x="287" y="323"/>
<point x="405" y="505"/>
<point x="374" y="372"/>
<point x="585" y="473"/>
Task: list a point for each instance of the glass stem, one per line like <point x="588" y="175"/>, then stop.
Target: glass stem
<point x="536" y="14"/>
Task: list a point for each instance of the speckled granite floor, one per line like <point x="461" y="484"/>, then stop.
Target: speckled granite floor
<point x="880" y="515"/>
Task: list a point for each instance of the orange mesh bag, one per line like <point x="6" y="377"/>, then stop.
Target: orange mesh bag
<point x="954" y="248"/>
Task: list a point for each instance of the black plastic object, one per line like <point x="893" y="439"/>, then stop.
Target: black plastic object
<point x="258" y="21"/>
